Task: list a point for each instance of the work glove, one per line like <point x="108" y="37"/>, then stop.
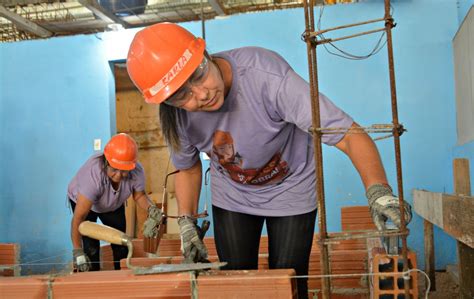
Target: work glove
<point x="81" y="260"/>
<point x="384" y="206"/>
<point x="192" y="246"/>
<point x="152" y="223"/>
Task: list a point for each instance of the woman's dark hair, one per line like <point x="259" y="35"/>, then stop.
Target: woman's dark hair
<point x="169" y="121"/>
<point x="169" y="126"/>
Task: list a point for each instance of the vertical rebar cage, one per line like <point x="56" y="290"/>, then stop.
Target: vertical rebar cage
<point x="310" y="36"/>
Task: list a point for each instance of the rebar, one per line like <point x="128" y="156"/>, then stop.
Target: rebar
<point x="396" y="129"/>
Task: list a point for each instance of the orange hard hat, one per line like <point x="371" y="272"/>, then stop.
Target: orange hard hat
<point x="121" y="152"/>
<point x="161" y="58"/>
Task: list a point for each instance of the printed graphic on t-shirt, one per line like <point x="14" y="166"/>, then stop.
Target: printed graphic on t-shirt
<point x="231" y="161"/>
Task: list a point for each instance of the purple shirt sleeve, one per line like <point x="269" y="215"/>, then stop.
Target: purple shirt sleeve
<point x="138" y="178"/>
<point x="293" y="104"/>
<point x="188" y="155"/>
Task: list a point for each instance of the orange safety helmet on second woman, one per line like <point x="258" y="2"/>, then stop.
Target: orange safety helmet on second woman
<point x="161" y="58"/>
<point x="121" y="152"/>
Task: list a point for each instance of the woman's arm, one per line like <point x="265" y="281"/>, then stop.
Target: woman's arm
<point x="363" y="153"/>
<point x="142" y="200"/>
<point x="83" y="207"/>
<point x="188" y="188"/>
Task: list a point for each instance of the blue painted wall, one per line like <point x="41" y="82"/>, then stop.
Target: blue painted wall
<point x="55" y="101"/>
<point x="56" y="96"/>
<point x="463" y="8"/>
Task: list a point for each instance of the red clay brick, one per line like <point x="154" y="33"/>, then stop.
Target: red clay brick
<point x="9" y="259"/>
<point x="393" y="284"/>
<point x="247" y="284"/>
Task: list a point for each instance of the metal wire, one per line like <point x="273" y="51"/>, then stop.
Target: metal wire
<point x="344" y="54"/>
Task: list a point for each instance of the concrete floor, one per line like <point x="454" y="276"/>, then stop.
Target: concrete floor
<point x="446" y="287"/>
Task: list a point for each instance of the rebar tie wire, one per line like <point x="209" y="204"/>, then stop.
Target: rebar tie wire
<point x="375" y="128"/>
<point x="203" y="214"/>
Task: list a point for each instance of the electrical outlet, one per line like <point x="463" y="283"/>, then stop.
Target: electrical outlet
<point x="97" y="144"/>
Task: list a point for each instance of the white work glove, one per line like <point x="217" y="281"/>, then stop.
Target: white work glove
<point x="81" y="260"/>
<point x="152" y="223"/>
<point x="384" y="206"/>
<point x="192" y="246"/>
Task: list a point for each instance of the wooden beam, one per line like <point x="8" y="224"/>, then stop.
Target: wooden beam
<point x="454" y="214"/>
<point x="20" y="2"/>
<point x="24" y="24"/>
<point x="462" y="186"/>
<point x="462" y="177"/>
<point x="102" y="13"/>
<point x="218" y="7"/>
<point x="429" y="253"/>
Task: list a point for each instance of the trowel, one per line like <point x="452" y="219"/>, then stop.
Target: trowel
<point x="114" y="236"/>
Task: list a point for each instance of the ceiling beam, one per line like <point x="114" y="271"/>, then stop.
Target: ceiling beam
<point x="24" y="24"/>
<point x="22" y="2"/>
<point x="103" y="13"/>
<point x="218" y="7"/>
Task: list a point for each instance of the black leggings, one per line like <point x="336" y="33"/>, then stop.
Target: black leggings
<point x="290" y="238"/>
<point x="115" y="219"/>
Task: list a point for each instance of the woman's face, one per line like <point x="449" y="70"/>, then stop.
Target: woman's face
<point x="116" y="175"/>
<point x="208" y="94"/>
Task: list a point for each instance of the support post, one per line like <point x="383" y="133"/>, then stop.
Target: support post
<point x="430" y="253"/>
<point x="462" y="186"/>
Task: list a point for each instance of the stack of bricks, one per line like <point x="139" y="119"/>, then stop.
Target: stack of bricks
<point x="124" y="284"/>
<point x="346" y="257"/>
<point x="9" y="259"/>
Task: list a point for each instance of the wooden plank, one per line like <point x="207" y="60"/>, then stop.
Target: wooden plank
<point x="429" y="205"/>
<point x="464" y="218"/>
<point x="462" y="177"/>
<point x="466" y="271"/>
<point x="458" y="218"/>
<point x="429" y="253"/>
<point x="454" y="214"/>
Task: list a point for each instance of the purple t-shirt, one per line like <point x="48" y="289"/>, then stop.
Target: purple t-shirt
<point x="262" y="160"/>
<point x="91" y="181"/>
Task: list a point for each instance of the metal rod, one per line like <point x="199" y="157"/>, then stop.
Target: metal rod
<point x="339" y="236"/>
<point x="203" y="23"/>
<point x="347" y="26"/>
<point x="318" y="156"/>
<point x="397" y="130"/>
<point x="378" y="128"/>
<point x="396" y="140"/>
<point x="330" y="40"/>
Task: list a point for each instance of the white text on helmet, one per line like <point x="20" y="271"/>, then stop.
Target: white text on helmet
<point x="176" y="69"/>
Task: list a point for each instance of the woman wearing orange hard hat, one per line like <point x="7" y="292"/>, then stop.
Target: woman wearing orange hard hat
<point x="99" y="190"/>
<point x="264" y="107"/>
